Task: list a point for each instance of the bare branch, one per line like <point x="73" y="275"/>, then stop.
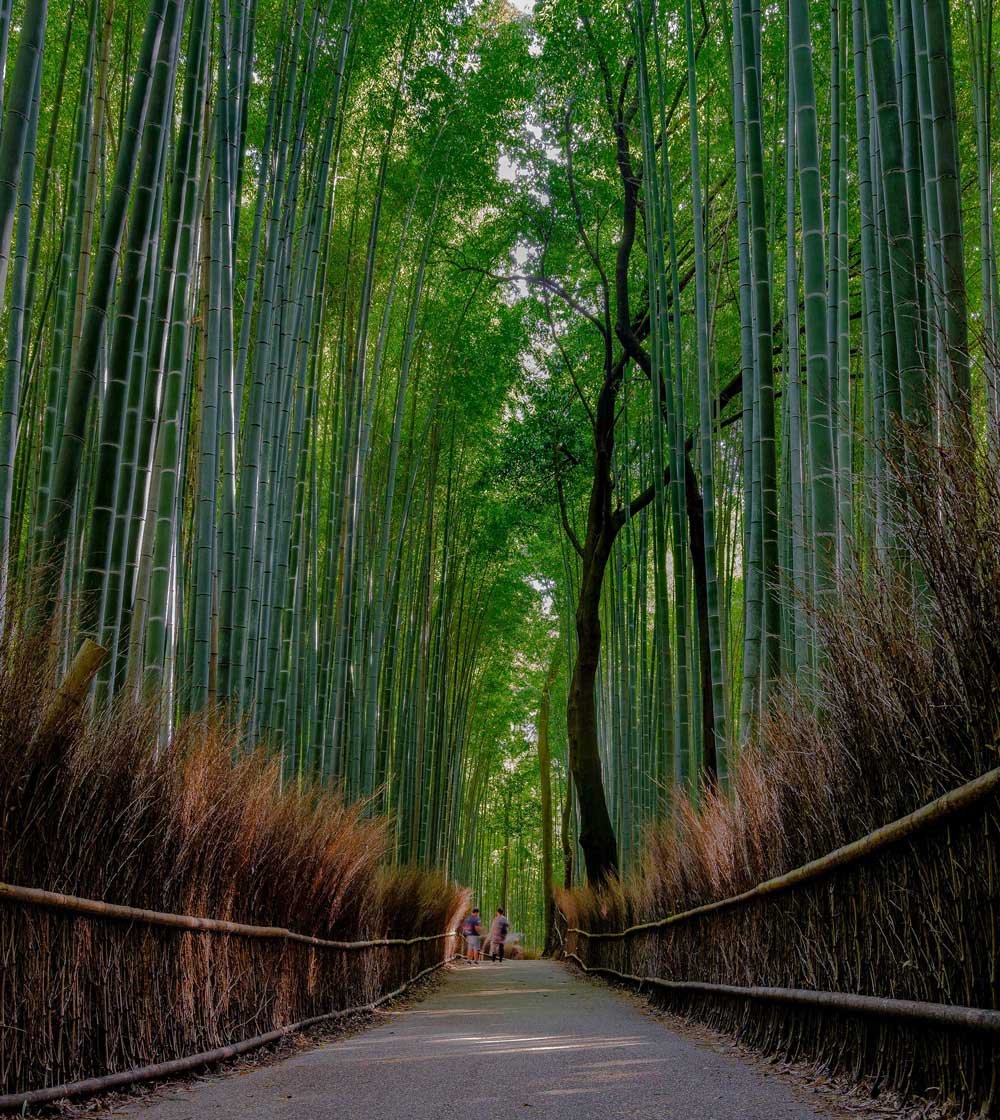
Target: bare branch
<point x="570" y="368"/>
<point x="638" y="503"/>
<point x="623" y="90"/>
<point x="592" y="249"/>
<point x="546" y="282"/>
<point x="574" y="540"/>
<point x="602" y="62"/>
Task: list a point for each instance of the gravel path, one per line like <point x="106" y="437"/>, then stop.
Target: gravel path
<point x="497" y="1039"/>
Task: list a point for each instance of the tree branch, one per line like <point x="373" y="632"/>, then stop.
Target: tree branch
<point x="541" y="282"/>
<point x="602" y="62"/>
<point x="638" y="503"/>
<point x="574" y="540"/>
<point x="592" y="250"/>
<point x="570" y="368"/>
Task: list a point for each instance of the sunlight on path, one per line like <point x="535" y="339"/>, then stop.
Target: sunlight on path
<point x="519" y="1036"/>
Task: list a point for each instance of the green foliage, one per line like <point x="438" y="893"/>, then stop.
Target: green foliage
<point x="300" y="403"/>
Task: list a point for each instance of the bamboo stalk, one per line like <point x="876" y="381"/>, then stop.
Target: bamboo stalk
<point x="73" y="690"/>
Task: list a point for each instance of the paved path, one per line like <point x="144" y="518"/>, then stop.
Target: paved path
<point x="518" y="1039"/>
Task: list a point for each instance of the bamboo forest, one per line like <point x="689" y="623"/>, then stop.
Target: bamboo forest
<point x="533" y="455"/>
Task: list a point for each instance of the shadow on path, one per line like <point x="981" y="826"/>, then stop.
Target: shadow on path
<point x="524" y="1037"/>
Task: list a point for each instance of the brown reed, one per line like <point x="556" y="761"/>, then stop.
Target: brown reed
<point x="200" y="827"/>
<point x="908" y="704"/>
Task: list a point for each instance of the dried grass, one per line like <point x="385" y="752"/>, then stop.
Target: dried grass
<point x="909" y="698"/>
<point x="198" y="828"/>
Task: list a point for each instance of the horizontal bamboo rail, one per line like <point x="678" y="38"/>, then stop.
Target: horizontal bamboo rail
<point x="937" y="1014"/>
<point x="16" y="1102"/>
<point x="942" y="809"/>
<point x="92" y="908"/>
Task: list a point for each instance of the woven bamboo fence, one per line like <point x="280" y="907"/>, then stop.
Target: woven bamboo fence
<point x="879" y="960"/>
<point x="87" y="987"/>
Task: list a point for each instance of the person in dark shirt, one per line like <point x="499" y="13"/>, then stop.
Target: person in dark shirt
<point x="498" y="935"/>
<point x="472" y="928"/>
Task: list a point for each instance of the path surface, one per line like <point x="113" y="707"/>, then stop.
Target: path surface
<point x="518" y="1039"/>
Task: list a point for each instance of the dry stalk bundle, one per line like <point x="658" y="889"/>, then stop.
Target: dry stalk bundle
<point x="165" y="990"/>
<point x="160" y="1070"/>
<point x="882" y="967"/>
<point x="876" y="956"/>
<point x="306" y="981"/>
<point x="106" y="967"/>
<point x="937" y="1014"/>
<point x="968" y="797"/>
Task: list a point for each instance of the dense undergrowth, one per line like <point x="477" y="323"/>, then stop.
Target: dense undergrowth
<point x="908" y="709"/>
<point x="94" y="809"/>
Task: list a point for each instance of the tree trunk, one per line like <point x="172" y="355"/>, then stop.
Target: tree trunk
<point x="597" y="836"/>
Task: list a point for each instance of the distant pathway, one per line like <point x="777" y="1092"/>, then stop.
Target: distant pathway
<point x="518" y="1039"/>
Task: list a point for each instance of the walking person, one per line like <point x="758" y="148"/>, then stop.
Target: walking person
<point x="472" y="928"/>
<point x="498" y="935"/>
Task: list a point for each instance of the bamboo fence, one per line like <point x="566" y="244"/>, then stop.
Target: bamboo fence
<point x="879" y="958"/>
<point x="124" y="986"/>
